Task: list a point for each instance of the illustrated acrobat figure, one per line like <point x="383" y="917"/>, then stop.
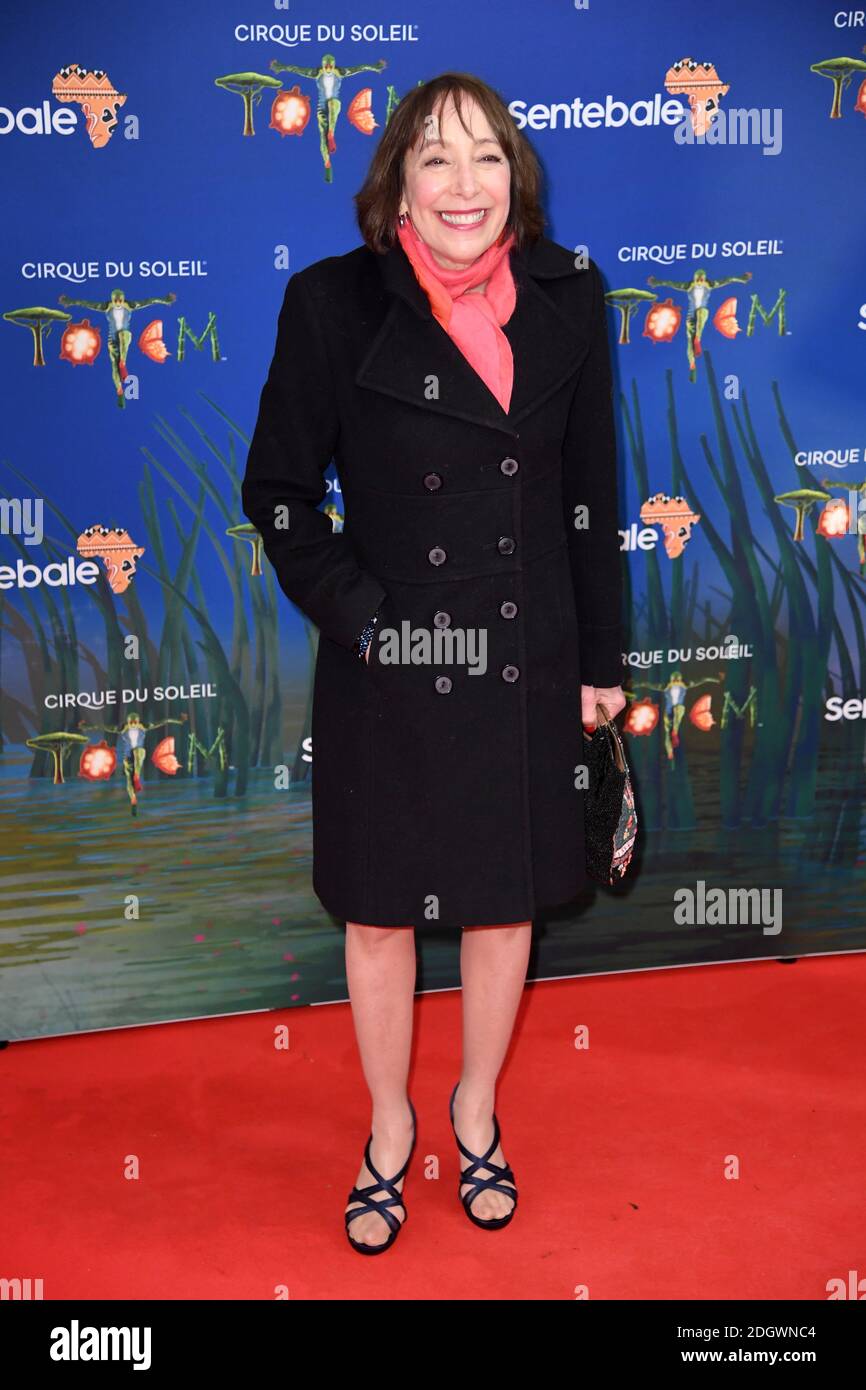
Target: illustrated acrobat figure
<point x="675" y="704"/>
<point x="130" y="747"/>
<point x="698" y="290"/>
<point x="118" y="311"/>
<point x="329" y="79"/>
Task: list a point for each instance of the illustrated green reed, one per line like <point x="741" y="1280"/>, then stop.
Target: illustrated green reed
<point x="199" y="496"/>
<point x="779" y="598"/>
<point x="782" y="605"/>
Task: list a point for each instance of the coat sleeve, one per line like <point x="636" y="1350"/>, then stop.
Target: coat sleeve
<point x="589" y="480"/>
<point x="293" y="443"/>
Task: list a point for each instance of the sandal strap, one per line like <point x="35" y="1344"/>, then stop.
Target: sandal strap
<point x="386" y="1182"/>
<point x="482" y="1161"/>
<point x="467" y="1198"/>
<point x="382" y="1208"/>
<point x="496" y="1183"/>
<point x="500" y="1173"/>
<point x="394" y="1198"/>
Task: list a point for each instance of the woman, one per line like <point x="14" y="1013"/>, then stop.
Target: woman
<point x="456" y="367"/>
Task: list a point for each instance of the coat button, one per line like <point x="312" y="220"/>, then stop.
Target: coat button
<point x="443" y="684"/>
<point x="508" y="467"/>
<point x="432" y="481"/>
<point x="508" y="609"/>
<point x="510" y="673"/>
<point x="441" y="619"/>
<point x="506" y="545"/>
<point x="437" y="555"/>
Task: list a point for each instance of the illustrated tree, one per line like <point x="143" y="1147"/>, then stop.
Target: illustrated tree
<point x="627" y="302"/>
<point x="40" y="321"/>
<point x="840" y="71"/>
<point x="59" y="745"/>
<point x="248" y="85"/>
<point x="245" y="531"/>
<point x="802" y="499"/>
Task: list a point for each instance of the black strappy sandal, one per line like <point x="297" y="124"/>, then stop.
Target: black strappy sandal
<point x="496" y="1183"/>
<point x="394" y="1199"/>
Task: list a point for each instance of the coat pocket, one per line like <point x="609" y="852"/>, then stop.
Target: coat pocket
<point x="374" y="664"/>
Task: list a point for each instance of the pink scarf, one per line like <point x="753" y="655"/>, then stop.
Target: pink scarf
<point x="472" y="321"/>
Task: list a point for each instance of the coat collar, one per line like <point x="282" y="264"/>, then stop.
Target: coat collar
<point x="411" y="347"/>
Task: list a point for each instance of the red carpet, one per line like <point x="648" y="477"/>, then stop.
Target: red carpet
<point x="246" y="1153"/>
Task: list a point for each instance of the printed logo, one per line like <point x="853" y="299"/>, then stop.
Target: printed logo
<point x="291" y="110"/>
<point x="703" y="87"/>
<point x="99" y="99"/>
<point x="664" y="317"/>
<point x="837" y="708"/>
<point x="676" y="519"/>
<point x="116" y="549"/>
<point x="672" y="514"/>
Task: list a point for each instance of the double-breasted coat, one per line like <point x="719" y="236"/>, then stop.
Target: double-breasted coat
<point x="444" y="795"/>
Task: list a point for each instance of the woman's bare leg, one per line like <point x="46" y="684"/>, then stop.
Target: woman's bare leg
<point x="381" y="969"/>
<point x="493" y="963"/>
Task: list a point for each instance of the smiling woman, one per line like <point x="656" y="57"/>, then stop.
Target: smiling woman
<point x="414" y="158"/>
<point x="455" y="234"/>
<point x="456" y="367"/>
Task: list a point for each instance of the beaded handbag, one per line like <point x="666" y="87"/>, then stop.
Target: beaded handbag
<point x="610" y="818"/>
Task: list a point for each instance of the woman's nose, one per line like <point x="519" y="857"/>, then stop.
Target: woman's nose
<point x="466" y="180"/>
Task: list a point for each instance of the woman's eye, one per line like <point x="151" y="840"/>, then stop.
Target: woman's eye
<point x="437" y="159"/>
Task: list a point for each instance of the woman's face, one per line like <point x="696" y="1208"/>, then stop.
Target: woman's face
<point x="457" y="185"/>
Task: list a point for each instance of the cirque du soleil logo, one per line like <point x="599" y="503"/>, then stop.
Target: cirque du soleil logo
<point x="81" y="340"/>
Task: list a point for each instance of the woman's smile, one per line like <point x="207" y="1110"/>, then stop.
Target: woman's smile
<point x="464" y="221"/>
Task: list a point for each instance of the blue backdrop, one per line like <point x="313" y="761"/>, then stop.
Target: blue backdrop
<point x="179" y="166"/>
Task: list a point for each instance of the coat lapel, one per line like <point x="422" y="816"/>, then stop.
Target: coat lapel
<point x="411" y="347"/>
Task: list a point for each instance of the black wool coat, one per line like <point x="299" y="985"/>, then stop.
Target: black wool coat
<point x="444" y="793"/>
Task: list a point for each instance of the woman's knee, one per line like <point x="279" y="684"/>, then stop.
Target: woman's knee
<point x="504" y="930"/>
<point x="370" y="937"/>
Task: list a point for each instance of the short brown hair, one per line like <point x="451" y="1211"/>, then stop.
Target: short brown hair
<point x="378" y="201"/>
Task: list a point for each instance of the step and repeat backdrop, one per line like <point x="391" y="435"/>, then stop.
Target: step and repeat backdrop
<point x="165" y="169"/>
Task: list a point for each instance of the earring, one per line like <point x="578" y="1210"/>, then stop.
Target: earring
<point x="403" y="218"/>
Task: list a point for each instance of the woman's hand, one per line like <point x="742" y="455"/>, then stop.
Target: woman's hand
<point x="611" y="697"/>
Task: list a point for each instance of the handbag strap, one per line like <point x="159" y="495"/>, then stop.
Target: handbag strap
<point x="604" y="721"/>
